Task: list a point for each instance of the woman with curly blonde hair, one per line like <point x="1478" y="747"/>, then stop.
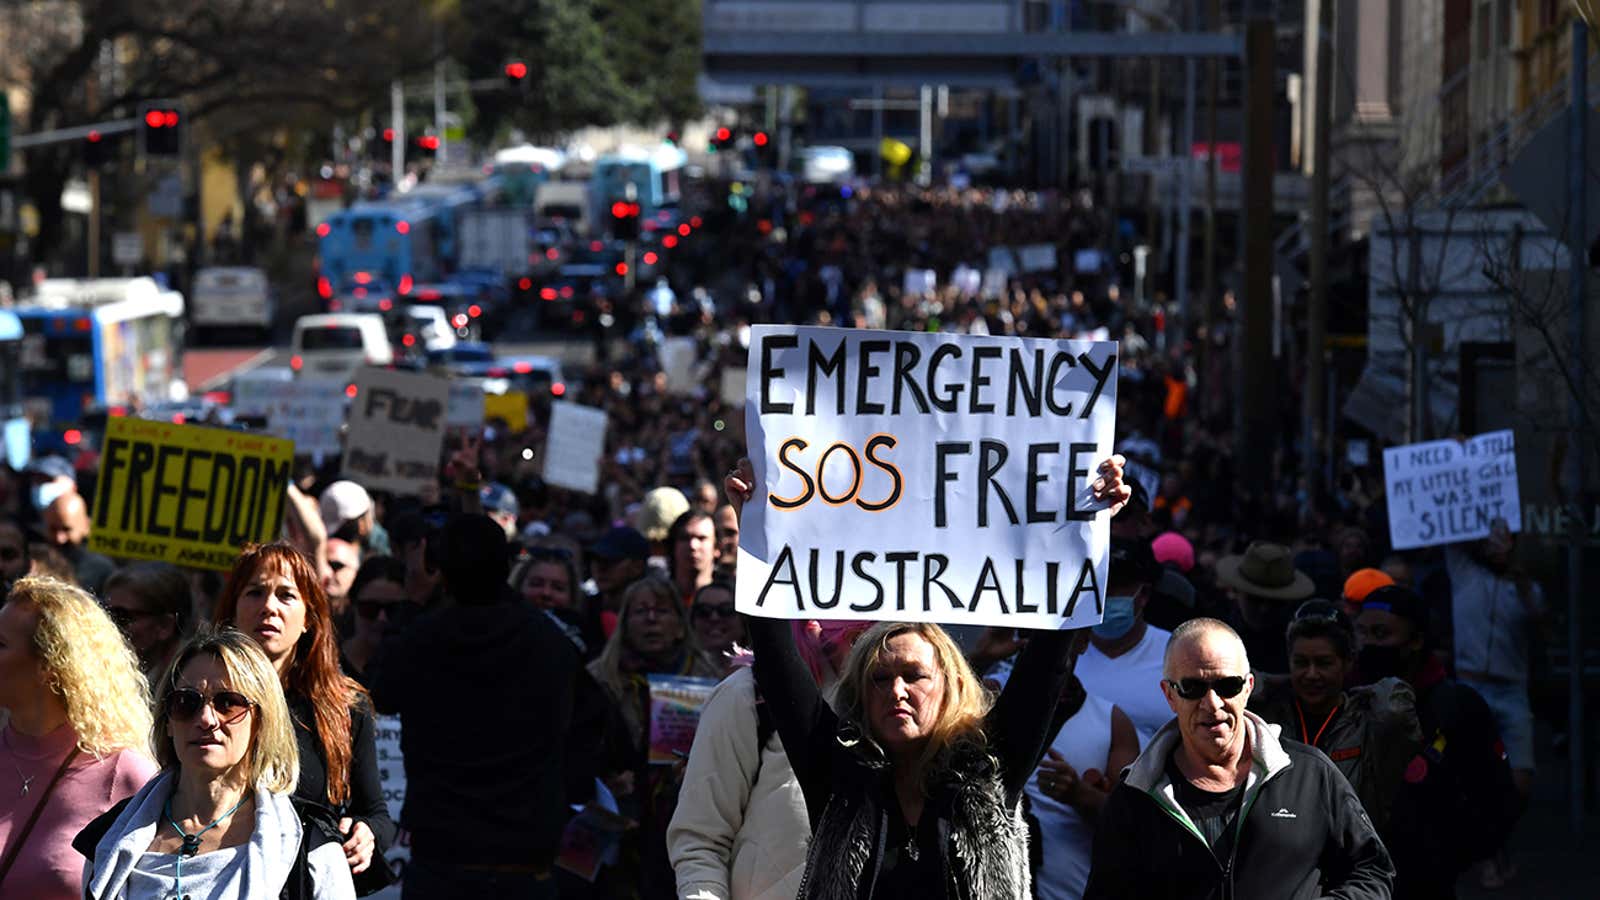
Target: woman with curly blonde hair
<point x="76" y="733"/>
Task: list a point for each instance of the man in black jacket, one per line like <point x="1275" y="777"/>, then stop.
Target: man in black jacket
<point x="484" y="690"/>
<point x="1218" y="806"/>
<point x="1457" y="801"/>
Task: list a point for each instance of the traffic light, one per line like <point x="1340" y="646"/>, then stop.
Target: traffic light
<point x="722" y="138"/>
<point x="765" y="148"/>
<point x="516" y="72"/>
<point x="97" y="150"/>
<point x="161" y="125"/>
<point x="428" y="145"/>
<point x="383" y="143"/>
<point x="625" y="220"/>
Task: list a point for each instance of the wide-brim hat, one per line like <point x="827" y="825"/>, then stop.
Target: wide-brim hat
<point x="1265" y="570"/>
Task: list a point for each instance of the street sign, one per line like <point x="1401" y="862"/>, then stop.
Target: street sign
<point x="1538" y="176"/>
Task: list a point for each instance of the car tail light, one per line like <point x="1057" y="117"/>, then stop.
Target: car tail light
<point x="296" y="363"/>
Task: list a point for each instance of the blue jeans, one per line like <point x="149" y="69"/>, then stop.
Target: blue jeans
<point x="433" y="880"/>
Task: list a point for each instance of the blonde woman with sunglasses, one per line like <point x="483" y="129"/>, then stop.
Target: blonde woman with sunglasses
<point x="218" y="821"/>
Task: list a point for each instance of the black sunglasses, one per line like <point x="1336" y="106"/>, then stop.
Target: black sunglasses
<point x="371" y="609"/>
<point x="184" y="704"/>
<point x="122" y="617"/>
<point x="712" y="610"/>
<point x="1196" y="688"/>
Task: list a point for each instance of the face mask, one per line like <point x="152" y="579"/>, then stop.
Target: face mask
<point x="47" y="493"/>
<point x="1119" y="618"/>
<point x="1379" y="661"/>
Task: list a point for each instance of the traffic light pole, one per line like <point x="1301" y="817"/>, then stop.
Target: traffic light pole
<point x="75" y="133"/>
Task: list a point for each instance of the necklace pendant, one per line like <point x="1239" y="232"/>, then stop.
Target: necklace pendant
<point x="911" y="848"/>
<point x="191" y="844"/>
<point x="27" y="785"/>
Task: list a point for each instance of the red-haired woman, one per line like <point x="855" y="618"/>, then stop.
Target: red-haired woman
<point x="274" y="596"/>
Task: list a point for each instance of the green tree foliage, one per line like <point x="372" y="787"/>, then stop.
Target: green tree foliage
<point x="570" y="81"/>
<point x="242" y="68"/>
<point x="655" y="47"/>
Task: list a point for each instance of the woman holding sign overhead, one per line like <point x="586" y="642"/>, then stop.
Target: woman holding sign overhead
<point x="274" y="596"/>
<point x="913" y="779"/>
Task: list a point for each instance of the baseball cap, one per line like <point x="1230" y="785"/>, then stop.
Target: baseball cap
<point x="621" y="542"/>
<point x="660" y="509"/>
<point x="1131" y="558"/>
<point x="1362" y="582"/>
<point x="341" y="502"/>
<point x="1172" y="547"/>
<point x="50" y="467"/>
<point x="498" y="498"/>
<point x="1401" y="601"/>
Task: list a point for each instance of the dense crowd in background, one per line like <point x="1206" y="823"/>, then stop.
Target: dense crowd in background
<point x="462" y="610"/>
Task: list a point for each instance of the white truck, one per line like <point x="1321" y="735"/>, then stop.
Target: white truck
<point x="231" y="297"/>
<point x="495" y="239"/>
<point x="569" y="201"/>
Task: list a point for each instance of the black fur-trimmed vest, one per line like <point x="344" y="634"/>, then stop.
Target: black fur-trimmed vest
<point x="984" y="843"/>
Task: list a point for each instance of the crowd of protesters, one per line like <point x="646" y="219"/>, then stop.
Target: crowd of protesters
<point x="1273" y="701"/>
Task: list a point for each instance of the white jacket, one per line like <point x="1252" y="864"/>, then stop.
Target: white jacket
<point x="740" y="830"/>
<point x="271" y="852"/>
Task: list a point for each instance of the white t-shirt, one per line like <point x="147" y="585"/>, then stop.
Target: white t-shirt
<point x="1065" y="837"/>
<point x="1132" y="681"/>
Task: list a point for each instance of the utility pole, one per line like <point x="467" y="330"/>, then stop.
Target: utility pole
<point x="1185" y="198"/>
<point x="397" y="122"/>
<point x="1317" y="306"/>
<point x="1259" y="399"/>
<point x="1577" y="204"/>
<point x="1208" y="264"/>
<point x="440" y="155"/>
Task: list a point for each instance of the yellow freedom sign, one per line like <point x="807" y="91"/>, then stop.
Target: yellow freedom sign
<point x="512" y="407"/>
<point x="187" y="495"/>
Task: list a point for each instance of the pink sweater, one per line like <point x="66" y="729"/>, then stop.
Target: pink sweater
<point x="48" y="867"/>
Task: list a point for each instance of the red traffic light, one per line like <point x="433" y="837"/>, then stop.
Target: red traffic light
<point x="428" y="142"/>
<point x="619" y="210"/>
<point x="94" y="137"/>
<point x="759" y="139"/>
<point x="517" y="70"/>
<point x="388" y="135"/>
<point x="723" y="134"/>
<point x="169" y="118"/>
<point x="153" y="118"/>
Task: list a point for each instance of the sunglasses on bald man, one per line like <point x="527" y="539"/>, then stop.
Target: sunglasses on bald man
<point x="1226" y="687"/>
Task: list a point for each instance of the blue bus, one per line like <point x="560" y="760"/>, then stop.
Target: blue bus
<point x="655" y="178"/>
<point x="96" y="345"/>
<point x="388" y="247"/>
<point x="13" y="418"/>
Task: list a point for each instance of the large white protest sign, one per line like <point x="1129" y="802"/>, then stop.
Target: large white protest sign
<point x="572" y="451"/>
<point x="1443" y="492"/>
<point x="925" y="477"/>
<point x="397" y="425"/>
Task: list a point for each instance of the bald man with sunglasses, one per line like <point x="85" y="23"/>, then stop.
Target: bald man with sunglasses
<point x="1219" y="806"/>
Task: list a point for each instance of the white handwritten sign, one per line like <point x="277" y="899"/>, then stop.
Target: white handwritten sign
<point x="1444" y="492"/>
<point x="308" y="411"/>
<point x="924" y="477"/>
<point x="572" y="451"/>
<point x="466" y="403"/>
<point x="392" y="779"/>
<point x="678" y="355"/>
<point x="397" y="424"/>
